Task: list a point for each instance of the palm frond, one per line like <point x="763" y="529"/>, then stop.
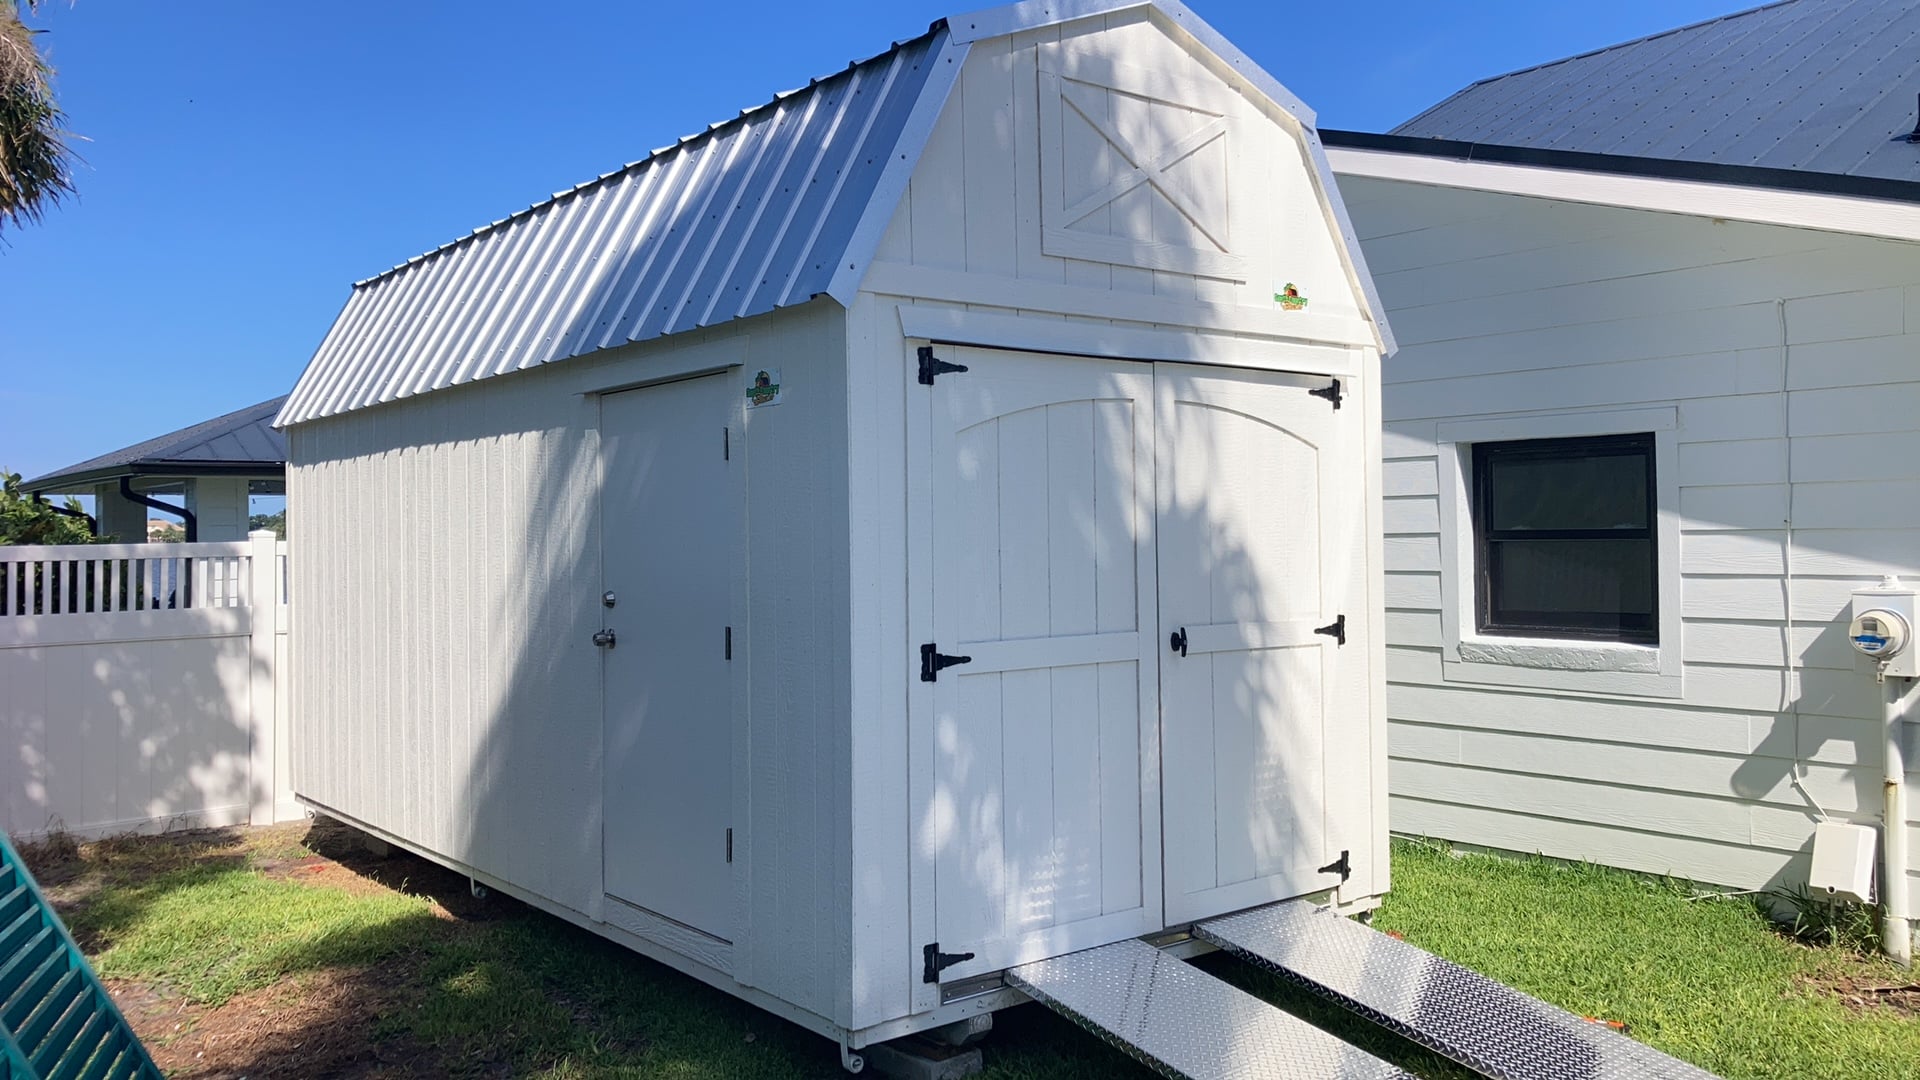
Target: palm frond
<point x="35" y="161"/>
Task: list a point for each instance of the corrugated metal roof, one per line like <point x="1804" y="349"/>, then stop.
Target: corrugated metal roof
<point x="745" y="217"/>
<point x="778" y="206"/>
<point x="1822" y="86"/>
<point x="244" y="437"/>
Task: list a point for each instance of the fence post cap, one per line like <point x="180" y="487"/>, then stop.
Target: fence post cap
<point x="263" y="534"/>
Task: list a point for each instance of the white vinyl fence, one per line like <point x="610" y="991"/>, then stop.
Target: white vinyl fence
<point x="143" y="686"/>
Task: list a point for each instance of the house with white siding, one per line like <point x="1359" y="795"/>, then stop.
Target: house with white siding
<point x="1655" y="416"/>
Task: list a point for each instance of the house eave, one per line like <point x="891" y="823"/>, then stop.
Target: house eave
<point x="79" y="483"/>
<point x="1855" y="205"/>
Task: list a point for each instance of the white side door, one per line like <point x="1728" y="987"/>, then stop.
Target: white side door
<point x="1253" y="471"/>
<point x="1040" y="814"/>
<point x="669" y="517"/>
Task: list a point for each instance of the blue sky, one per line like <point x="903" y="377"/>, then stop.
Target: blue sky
<point x="247" y="161"/>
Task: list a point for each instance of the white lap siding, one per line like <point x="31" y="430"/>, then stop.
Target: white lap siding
<point x="1790" y="357"/>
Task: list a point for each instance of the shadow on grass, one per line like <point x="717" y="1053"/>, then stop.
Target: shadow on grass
<point x="305" y="955"/>
<point x="322" y="960"/>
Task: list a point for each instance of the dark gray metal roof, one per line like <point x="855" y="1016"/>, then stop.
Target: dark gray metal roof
<point x="243" y="442"/>
<point x="1825" y="86"/>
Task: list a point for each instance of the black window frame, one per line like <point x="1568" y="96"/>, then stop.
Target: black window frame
<point x="1596" y="627"/>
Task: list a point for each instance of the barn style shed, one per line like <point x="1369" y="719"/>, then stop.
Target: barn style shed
<point x="924" y="525"/>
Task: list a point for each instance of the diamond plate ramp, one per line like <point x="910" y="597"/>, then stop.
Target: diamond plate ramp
<point x="1182" y="1022"/>
<point x="1488" y="1027"/>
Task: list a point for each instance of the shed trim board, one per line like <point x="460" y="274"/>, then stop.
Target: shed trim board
<point x="482" y="729"/>
<point x="950" y="326"/>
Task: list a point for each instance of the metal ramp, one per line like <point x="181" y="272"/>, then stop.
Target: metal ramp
<point x="1182" y="1022"/>
<point x="1488" y="1027"/>
<point x="56" y="1021"/>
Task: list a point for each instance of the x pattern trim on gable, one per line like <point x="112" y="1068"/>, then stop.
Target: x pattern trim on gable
<point x="1079" y="84"/>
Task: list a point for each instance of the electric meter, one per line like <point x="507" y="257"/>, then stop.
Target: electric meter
<point x="1878" y="633"/>
<point x="1882" y="628"/>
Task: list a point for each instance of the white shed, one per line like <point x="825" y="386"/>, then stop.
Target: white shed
<point x="967" y="464"/>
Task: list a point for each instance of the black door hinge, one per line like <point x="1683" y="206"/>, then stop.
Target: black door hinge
<point x="729" y="845"/>
<point x="1337" y="630"/>
<point x="1331" y="392"/>
<point x="931" y="365"/>
<point x="937" y="962"/>
<point x="726" y="444"/>
<point x="729" y="645"/>
<point x="1342" y="866"/>
<point x="933" y="661"/>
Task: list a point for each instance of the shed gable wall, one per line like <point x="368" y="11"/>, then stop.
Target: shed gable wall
<point x="1786" y="359"/>
<point x="1111" y="156"/>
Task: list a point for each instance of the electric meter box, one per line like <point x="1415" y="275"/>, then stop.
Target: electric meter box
<point x="1883" y="626"/>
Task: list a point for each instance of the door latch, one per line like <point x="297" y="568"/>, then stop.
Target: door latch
<point x="604" y="638"/>
<point x="1178" y="641"/>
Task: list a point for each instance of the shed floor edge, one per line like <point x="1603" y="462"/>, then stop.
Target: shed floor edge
<point x="854" y="1038"/>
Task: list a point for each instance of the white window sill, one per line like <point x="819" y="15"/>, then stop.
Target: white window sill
<point x="1557" y="655"/>
<point x="1579" y="666"/>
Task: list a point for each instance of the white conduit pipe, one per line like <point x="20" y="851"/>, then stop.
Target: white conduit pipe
<point x="1896" y="935"/>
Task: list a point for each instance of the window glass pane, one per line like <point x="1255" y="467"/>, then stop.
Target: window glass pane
<point x="1536" y="580"/>
<point x="1604" y="491"/>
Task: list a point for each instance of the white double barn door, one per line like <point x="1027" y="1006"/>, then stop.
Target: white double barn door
<point x="1089" y="780"/>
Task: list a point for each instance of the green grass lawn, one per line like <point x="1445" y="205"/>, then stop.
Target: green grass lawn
<point x="255" y="952"/>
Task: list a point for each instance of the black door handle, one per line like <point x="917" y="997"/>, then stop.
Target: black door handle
<point x="1178" y="642"/>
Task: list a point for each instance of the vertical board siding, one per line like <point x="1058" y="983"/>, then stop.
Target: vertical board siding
<point x="451" y="694"/>
<point x="799" y="656"/>
<point x="1789" y="355"/>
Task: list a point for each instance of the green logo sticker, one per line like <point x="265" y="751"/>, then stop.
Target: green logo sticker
<point x="765" y="388"/>
<point x="1289" y="298"/>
